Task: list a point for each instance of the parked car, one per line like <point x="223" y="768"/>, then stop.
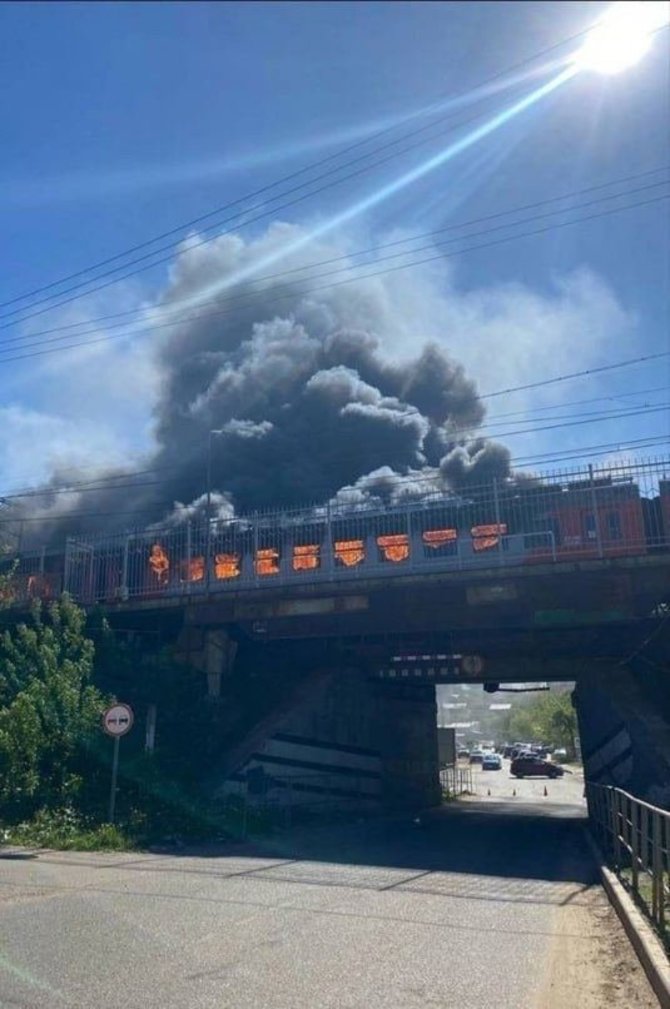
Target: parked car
<point x="560" y="754"/>
<point x="476" y="757"/>
<point x="463" y="752"/>
<point x="535" y="767"/>
<point x="491" y="762"/>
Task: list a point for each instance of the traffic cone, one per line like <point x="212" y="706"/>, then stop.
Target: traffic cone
<point x="545" y="790"/>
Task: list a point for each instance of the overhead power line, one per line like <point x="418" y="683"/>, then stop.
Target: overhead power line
<point x="243" y="200"/>
<point x="585" y="452"/>
<point x="101" y="482"/>
<point x="642" y="359"/>
<point x="348" y="280"/>
<point x="578" y="402"/>
<point x="591" y="451"/>
<point x="110" y="485"/>
<point x="490" y="430"/>
<point x="346" y="258"/>
<point x="175" y="252"/>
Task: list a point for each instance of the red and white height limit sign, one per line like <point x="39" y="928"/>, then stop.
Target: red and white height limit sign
<point x="117" y="720"/>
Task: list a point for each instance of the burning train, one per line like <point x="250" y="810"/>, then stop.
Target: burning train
<point x="510" y="523"/>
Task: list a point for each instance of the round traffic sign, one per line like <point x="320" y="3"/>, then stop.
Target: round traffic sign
<point x="118" y="720"/>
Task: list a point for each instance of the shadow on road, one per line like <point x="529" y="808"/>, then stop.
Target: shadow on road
<point x="492" y="839"/>
<point x="475" y="850"/>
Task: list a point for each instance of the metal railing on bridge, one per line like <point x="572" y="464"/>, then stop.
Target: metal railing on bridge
<point x="634" y="837"/>
<point x="589" y="513"/>
<point x="457" y="780"/>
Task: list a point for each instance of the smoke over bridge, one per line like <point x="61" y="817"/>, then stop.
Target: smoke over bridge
<point x="308" y="392"/>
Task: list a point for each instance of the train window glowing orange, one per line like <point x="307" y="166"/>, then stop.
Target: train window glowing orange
<point x="487" y="537"/>
<point x="193" y="570"/>
<point x="394" y="548"/>
<point x="349" y="552"/>
<point x="436" y="538"/>
<point x="226" y="566"/>
<point x="267" y="561"/>
<point x="159" y="562"/>
<point x="306" y="557"/>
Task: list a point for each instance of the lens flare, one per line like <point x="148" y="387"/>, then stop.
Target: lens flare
<point x="623" y="36"/>
<point x="384" y="192"/>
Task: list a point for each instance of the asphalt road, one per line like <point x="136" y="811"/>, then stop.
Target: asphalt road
<point x="485" y="904"/>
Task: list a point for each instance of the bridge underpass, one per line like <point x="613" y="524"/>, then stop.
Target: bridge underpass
<point x="491" y="901"/>
<point x="331" y="689"/>
<point x="339" y="684"/>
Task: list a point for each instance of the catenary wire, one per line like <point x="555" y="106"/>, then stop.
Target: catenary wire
<point x="180" y="317"/>
<point x="184" y="226"/>
<point x="347" y="280"/>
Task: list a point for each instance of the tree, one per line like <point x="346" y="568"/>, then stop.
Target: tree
<point x="6" y="585"/>
<point x="49" y="709"/>
<point x="549" y="718"/>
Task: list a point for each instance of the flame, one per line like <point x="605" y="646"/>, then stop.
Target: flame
<point x="306" y="558"/>
<point x="193" y="570"/>
<point x="227" y="565"/>
<point x="267" y="561"/>
<point x="436" y="538"/>
<point x="394" y="548"/>
<point x="159" y="562"/>
<point x="488" y="536"/>
<point x="349" y="552"/>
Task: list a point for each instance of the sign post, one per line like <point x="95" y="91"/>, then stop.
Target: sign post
<point x="116" y="722"/>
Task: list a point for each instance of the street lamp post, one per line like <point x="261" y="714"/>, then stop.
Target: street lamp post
<point x="209" y="505"/>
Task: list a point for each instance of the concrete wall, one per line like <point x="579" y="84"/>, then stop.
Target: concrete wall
<point x="407" y="734"/>
<point x="343" y="742"/>
<point x="625" y="740"/>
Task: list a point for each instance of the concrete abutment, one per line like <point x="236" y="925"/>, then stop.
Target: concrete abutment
<point x="342" y="741"/>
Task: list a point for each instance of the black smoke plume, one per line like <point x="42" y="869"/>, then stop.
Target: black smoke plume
<point x="305" y="396"/>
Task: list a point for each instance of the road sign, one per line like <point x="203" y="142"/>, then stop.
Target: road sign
<point x="118" y="720"/>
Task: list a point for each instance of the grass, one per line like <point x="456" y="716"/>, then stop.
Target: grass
<point x="644" y="899"/>
<point x="65" y="830"/>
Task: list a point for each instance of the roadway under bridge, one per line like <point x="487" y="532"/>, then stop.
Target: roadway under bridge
<point x="352" y="669"/>
<point x="322" y="632"/>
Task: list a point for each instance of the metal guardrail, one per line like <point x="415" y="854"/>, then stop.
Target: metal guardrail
<point x="611" y="512"/>
<point x="584" y="513"/>
<point x="634" y="836"/>
<point x="457" y="780"/>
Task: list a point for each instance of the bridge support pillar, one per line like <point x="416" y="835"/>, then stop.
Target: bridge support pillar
<point x="625" y="733"/>
<point x="407" y="739"/>
<point x="211" y="651"/>
<point x="340" y="740"/>
<point x="219" y="654"/>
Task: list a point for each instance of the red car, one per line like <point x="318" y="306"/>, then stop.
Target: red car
<point x="535" y="767"/>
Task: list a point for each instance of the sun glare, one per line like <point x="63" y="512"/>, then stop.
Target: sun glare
<point x="622" y="37"/>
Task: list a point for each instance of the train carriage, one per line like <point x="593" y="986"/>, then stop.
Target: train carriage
<point x="504" y="523"/>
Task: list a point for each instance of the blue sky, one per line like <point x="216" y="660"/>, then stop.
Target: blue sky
<point x="119" y="121"/>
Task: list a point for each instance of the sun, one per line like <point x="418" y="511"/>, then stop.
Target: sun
<point x="622" y="36"/>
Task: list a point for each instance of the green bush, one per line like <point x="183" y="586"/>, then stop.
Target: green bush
<point x="65" y="830"/>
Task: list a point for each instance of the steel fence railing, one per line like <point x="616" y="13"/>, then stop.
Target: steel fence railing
<point x="583" y="513"/>
<point x="457" y="780"/>
<point x="634" y="837"/>
<point x="579" y="514"/>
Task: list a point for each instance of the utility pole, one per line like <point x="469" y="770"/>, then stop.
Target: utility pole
<point x="209" y="507"/>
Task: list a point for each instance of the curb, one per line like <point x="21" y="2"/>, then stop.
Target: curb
<point x="649" y="948"/>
